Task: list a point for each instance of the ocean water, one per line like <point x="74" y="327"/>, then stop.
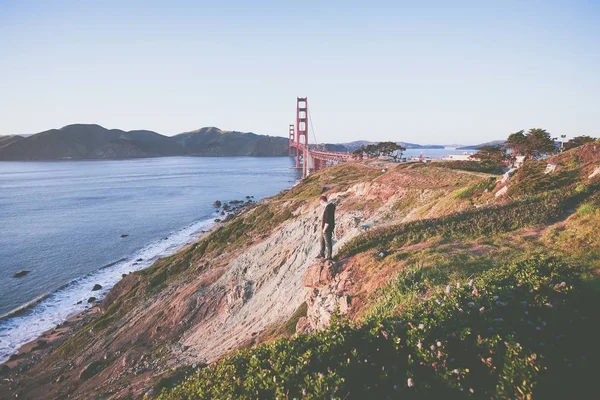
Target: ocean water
<point x="63" y="222"/>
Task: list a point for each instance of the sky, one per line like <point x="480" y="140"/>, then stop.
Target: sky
<point x="428" y="72"/>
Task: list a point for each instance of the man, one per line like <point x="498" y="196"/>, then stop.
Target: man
<point x="327" y="226"/>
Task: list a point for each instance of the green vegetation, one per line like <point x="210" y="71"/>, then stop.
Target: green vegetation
<point x="578" y="141"/>
<point x="488" y="167"/>
<point x="492" y="153"/>
<point x="474" y="223"/>
<point x="534" y="143"/>
<point x="517" y="331"/>
<point x="476" y="189"/>
<point x="390" y="149"/>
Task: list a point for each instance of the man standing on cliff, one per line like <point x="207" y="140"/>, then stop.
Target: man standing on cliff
<point x="327" y="226"/>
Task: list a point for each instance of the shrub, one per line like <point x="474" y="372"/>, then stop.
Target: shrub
<point x="586" y="209"/>
<point x="519" y="331"/>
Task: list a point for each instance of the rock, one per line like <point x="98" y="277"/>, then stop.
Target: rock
<point x="217" y="204"/>
<point x="217" y="220"/>
<point x="139" y="259"/>
<point x="91" y="299"/>
<point x="502" y="191"/>
<point x="507" y="175"/>
<point x="222" y="212"/>
<point x="123" y="275"/>
<point x="96" y="287"/>
<point x="124" y="235"/>
<point x="20" y="274"/>
<point x="90" y="370"/>
<point x="319" y="274"/>
<point x="80" y="301"/>
<point x="593" y="174"/>
<point x="303" y="326"/>
<point x="549" y="169"/>
<point x="344" y="304"/>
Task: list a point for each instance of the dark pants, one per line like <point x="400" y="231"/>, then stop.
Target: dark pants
<point x="326" y="244"/>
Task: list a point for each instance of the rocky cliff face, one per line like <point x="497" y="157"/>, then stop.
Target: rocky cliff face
<point x="246" y="278"/>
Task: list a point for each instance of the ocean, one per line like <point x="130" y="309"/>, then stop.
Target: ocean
<point x="74" y="224"/>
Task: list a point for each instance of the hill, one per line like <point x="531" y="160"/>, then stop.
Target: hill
<point x="477" y="146"/>
<point x="441" y="288"/>
<point x="351" y="146"/>
<point x="82" y="141"/>
<point x="6" y="140"/>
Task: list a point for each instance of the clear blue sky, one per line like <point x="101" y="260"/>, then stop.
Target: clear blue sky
<point x="418" y="71"/>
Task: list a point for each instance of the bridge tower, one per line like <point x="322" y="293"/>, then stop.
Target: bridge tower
<point x="302" y="132"/>
<point x="292" y="136"/>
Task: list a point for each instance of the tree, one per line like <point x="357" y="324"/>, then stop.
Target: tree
<point x="517" y="142"/>
<point x="577" y="141"/>
<point x="539" y="142"/>
<point x="534" y="143"/>
<point x="380" y="149"/>
<point x="390" y="149"/>
<point x="492" y="153"/>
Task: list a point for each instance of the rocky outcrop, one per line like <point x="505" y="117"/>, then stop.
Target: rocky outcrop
<point x="329" y="289"/>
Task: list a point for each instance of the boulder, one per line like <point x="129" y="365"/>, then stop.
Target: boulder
<point x="90" y="370"/>
<point x="303" y="326"/>
<point x="91" y="299"/>
<point x="550" y="168"/>
<point x="502" y="191"/>
<point x="593" y="174"/>
<point x="124" y="235"/>
<point x="20" y="274"/>
<point x="319" y="274"/>
<point x="96" y="287"/>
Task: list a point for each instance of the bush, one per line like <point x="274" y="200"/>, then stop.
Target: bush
<point x="517" y="331"/>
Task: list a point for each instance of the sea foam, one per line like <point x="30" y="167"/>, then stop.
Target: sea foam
<point x="28" y="322"/>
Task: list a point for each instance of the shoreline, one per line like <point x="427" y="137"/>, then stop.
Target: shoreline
<point x="30" y="352"/>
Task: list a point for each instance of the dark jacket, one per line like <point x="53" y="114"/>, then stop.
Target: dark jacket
<point x="329" y="217"/>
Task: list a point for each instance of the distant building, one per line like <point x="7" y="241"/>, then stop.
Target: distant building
<point x="460" y="157"/>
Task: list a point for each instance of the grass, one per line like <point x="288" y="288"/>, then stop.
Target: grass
<point x="518" y="331"/>
<point x="488" y="167"/>
<point x="474" y="223"/>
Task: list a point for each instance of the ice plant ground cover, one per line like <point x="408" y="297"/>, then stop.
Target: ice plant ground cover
<point x="516" y="331"/>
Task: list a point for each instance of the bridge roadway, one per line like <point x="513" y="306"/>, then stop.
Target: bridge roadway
<point x="315" y="160"/>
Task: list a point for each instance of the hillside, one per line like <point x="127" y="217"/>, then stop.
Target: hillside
<point x="79" y="142"/>
<point x="6" y="140"/>
<point x="439" y="289"/>
<point x="477" y="146"/>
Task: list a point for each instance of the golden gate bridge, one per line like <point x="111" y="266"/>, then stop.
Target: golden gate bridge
<point x="309" y="157"/>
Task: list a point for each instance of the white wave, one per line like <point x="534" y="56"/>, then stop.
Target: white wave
<point x="46" y="312"/>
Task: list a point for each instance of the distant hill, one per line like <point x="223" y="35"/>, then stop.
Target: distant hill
<point x="351" y="146"/>
<point x="6" y="140"/>
<point x="476" y="146"/>
<point x="86" y="142"/>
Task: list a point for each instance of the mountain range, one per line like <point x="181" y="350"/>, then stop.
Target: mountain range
<point x="92" y="142"/>
<point x="83" y="141"/>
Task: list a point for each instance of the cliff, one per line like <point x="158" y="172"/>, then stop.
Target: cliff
<point x="81" y="141"/>
<point x="426" y="256"/>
